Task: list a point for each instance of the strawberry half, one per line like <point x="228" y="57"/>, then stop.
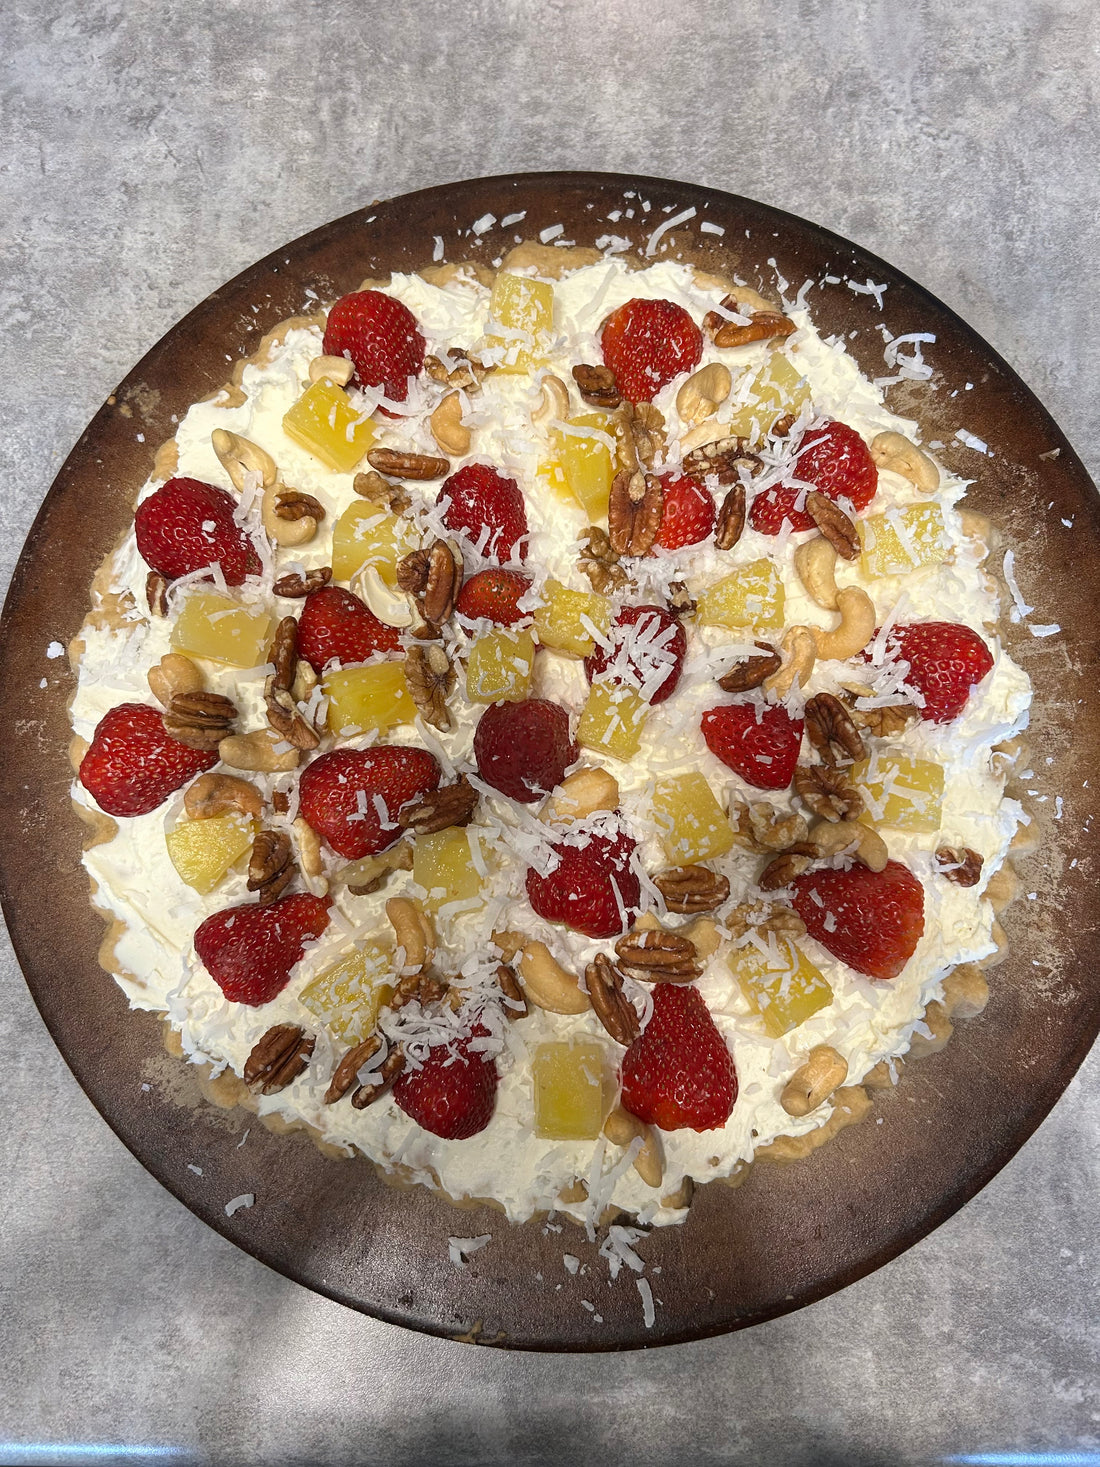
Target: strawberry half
<point x="647" y="641"/>
<point x="761" y="745"/>
<point x="382" y="338"/>
<point x="186" y="525"/>
<point x="250" y="950"/>
<point x="581" y="892"/>
<point x="646" y="344"/>
<point x="351" y="797"/>
<point x="689" y="514"/>
<point x="836" y="462"/>
<point x="871" y="920"/>
<point x="945" y="661"/>
<point x="495" y="595"/>
<point x="452" y="1094"/>
<point x="487" y="509"/>
<point x="132" y="765"/>
<point x="523" y="749"/>
<point x="335" y="624"/>
<point x="679" y="1074"/>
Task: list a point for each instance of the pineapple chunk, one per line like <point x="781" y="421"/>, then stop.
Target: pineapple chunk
<point x="902" y="539"/>
<point x="217" y="627"/>
<point x="500" y="667"/>
<point x="612" y="721"/>
<point x="362" y="698"/>
<point x="695" y="825"/>
<point x="569" y="1090"/>
<point x="367" y="535"/>
<point x="559" y="623"/>
<point x="585" y="465"/>
<point x="777" y="388"/>
<point x="325" y="424"/>
<point x="442" y="865"/>
<point x="750" y="597"/>
<point x="202" y="851"/>
<point x="901" y="792"/>
<point x="348" y="996"/>
<point x="521" y="305"/>
<point x="784" y="989"/>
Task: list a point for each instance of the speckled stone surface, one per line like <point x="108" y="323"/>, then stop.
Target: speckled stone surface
<point x="148" y="157"/>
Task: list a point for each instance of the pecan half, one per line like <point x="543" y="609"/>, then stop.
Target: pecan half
<point x="962" y="866"/>
<point x="454" y="804"/>
<point x="431" y="679"/>
<point x="516" y="1007"/>
<point x="347" y="1071"/>
<point x="884" y="722"/>
<point x="730" y="525"/>
<point x="156" y="593"/>
<point x="278" y="1058"/>
<point x="442" y="583"/>
<point x="283" y="713"/>
<point x="723" y="459"/>
<point x="200" y="720"/>
<point x="613" y="1009"/>
<point x="466" y="374"/>
<point x="634" y="512"/>
<point x="412" y="572"/>
<point x="408" y="465"/>
<point x="822" y="789"/>
<point x="830" y="727"/>
<point x="689" y="889"/>
<point x="380" y="491"/>
<point x="751" y="671"/>
<point x="658" y="957"/>
<point x="639" y="434"/>
<point x="762" y="326"/>
<point x="292" y="504"/>
<point x="392" y="1066"/>
<point x="270" y="867"/>
<point x="296" y="586"/>
<point x="787" y="865"/>
<point x="600" y="562"/>
<point x="597" y="386"/>
<point x="834" y="524"/>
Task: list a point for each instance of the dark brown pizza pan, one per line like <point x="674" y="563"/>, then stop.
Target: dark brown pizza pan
<point x="791" y="1234"/>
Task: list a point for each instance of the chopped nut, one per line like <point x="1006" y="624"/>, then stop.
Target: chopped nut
<point x="597" y="386"/>
<point x="829" y="724"/>
<point x="634" y="512"/>
<point x="730" y="525"/>
<point x="884" y="722"/>
<point x="440" y="809"/>
<point x="448" y="429"/>
<point x="813" y="1082"/>
<point x="692" y="888"/>
<point x="466" y="372"/>
<point x="156" y="593"/>
<point x="762" y="827"/>
<point x="786" y="866"/>
<point x="764" y="917"/>
<point x="392" y="1066"/>
<point x="278" y="1058"/>
<point x="680" y="599"/>
<point x="703" y="392"/>
<point x="963" y="866"/>
<point x="270" y="868"/>
<point x="834" y="524"/>
<point x="369" y="875"/>
<point x="292" y="504"/>
<point x="823" y="790"/>
<point x="283" y="713"/>
<point x="613" y="1009"/>
<point x="600" y="562"/>
<point x="751" y="671"/>
<point x="200" y="720"/>
<point x="431" y="679"/>
<point x="295" y="586"/>
<point x="516" y="1004"/>
<point x="173" y="674"/>
<point x="408" y="465"/>
<point x="380" y="491"/>
<point x="724" y="459"/>
<point x="658" y="957"/>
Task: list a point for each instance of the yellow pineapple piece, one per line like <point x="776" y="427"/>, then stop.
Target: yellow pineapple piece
<point x="900" y="540"/>
<point x="570" y="1103"/>
<point x="500" y="667"/>
<point x="778" y="388"/>
<point x="444" y="867"/>
<point x="524" y="306"/>
<point x="348" y="996"/>
<point x="362" y="698"/>
<point x="750" y="597"/>
<point x="202" y="851"/>
<point x="217" y="627"/>
<point x="694" y="823"/>
<point x="585" y="463"/>
<point x="560" y="622"/>
<point x="367" y="535"/>
<point x="783" y="987"/>
<point x="325" y="424"/>
<point x="899" y="791"/>
<point x="612" y="721"/>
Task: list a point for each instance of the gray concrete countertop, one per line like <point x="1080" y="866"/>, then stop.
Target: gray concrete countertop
<point x="150" y="153"/>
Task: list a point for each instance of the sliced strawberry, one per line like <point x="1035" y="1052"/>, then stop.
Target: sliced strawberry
<point x="186" y="525"/>
<point x="646" y="642"/>
<point x="351" y="797"/>
<point x="871" y="920"/>
<point x="495" y="595"/>
<point x="250" y="950"/>
<point x="836" y="462"/>
<point x="132" y="765"/>
<point x="679" y="1074"/>
<point x="646" y="344"/>
<point x="488" y="509"/>
<point x="523" y="749"/>
<point x="336" y="624"/>
<point x="581" y="892"/>
<point x="452" y="1094"/>
<point x="945" y="661"/>
<point x="689" y="514"/>
<point x="759" y="744"/>
<point x="382" y="338"/>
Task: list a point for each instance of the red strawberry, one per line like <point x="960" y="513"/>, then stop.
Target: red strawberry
<point x="945" y="661"/>
<point x="581" y="891"/>
<point x="488" y="509"/>
<point x="689" y="513"/>
<point x="761" y="745"/>
<point x="836" y="462"/>
<point x="186" y="525"/>
<point x="380" y="336"/>
<point x="647" y="640"/>
<point x="451" y="1097"/>
<point x="494" y="594"/>
<point x="132" y="765"/>
<point x="678" y="1074"/>
<point x="523" y="749"/>
<point x="339" y="795"/>
<point x="336" y="624"/>
<point x="646" y="344"/>
<point x="250" y="950"/>
<point x="871" y="920"/>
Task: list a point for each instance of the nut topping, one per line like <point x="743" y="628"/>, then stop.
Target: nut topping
<point x="156" y="593"/>
<point x="454" y="804"/>
<point x="658" y="957"/>
<point x="597" y="386"/>
<point x="283" y="713"/>
<point x="823" y="790"/>
<point x="466" y="373"/>
<point x="278" y="1058"/>
<point x="762" y="326"/>
<point x="762" y="827"/>
<point x="392" y="1066"/>
<point x="834" y="524"/>
<point x="829" y="724"/>
<point x="634" y="512"/>
<point x="689" y="889"/>
<point x="292" y="504"/>
<point x="347" y="1071"/>
<point x="408" y="465"/>
<point x="730" y="525"/>
<point x="962" y="866"/>
<point x="789" y="864"/>
<point x="200" y="720"/>
<point x="516" y="1005"/>
<point x="885" y="722"/>
<point x="219" y="794"/>
<point x="380" y="491"/>
<point x="296" y="586"/>
<point x="270" y="868"/>
<point x="724" y="459"/>
<point x="613" y="1009"/>
<point x="431" y="679"/>
<point x="370" y="874"/>
<point x="600" y="563"/>
<point x="752" y="671"/>
<point x="639" y="432"/>
<point x="444" y="581"/>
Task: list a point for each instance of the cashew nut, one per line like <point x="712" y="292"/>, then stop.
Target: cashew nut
<point x="703" y="932"/>
<point x="218" y="794"/>
<point x="853" y="632"/>
<point x="240" y="456"/>
<point x="173" y="674"/>
<point x="853" y="838"/>
<point x="413" y="931"/>
<point x="309" y="856"/>
<point x="799" y="655"/>
<point x="711" y="431"/>
<point x="553" y="403"/>
<point x="813" y="1082"/>
<point x="895" y="453"/>
<point x="815" y="565"/>
<point x="366" y="876"/>
<point x="704" y="392"/>
<point x="448" y="429"/>
<point x="337" y="369"/>
<point x="389" y="606"/>
<point x="256" y="751"/>
<point x="583" y="793"/>
<point x="621" y="1128"/>
<point x="545" y="981"/>
<point x="305" y="680"/>
<point x="284" y="532"/>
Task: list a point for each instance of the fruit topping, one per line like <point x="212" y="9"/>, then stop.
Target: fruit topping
<point x="452" y="1094"/>
<point x="525" y="309"/>
<point x="647" y="343"/>
<point x="900" y="791"/>
<point x="693" y="824"/>
<point x="750" y="597"/>
<point x="648" y="645"/>
<point x="500" y="667"/>
<point x="569" y="1089"/>
<point x="335" y="624"/>
<point x="760" y="744"/>
<point x="582" y="463"/>
<point x="612" y="721"/>
<point x="444" y="867"/>
<point x="133" y="765"/>
<point x="494" y="595"/>
<point x="352" y="797"/>
<point x="220" y="629"/>
<point x="324" y="423"/>
<point x="487" y="509"/>
<point x="569" y="620"/>
<point x="368" y="535"/>
<point x="689" y="512"/>
<point x="186" y="525"/>
<point x="362" y="698"/>
<point x="900" y="540"/>
<point x="778" y="390"/>
<point x="250" y="950"/>
<point x="202" y="851"/>
<point x="381" y="336"/>
<point x="593" y="889"/>
<point x="678" y="1074"/>
<point x="523" y="749"/>
<point x="783" y="986"/>
<point x="870" y="920"/>
<point x="945" y="661"/>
